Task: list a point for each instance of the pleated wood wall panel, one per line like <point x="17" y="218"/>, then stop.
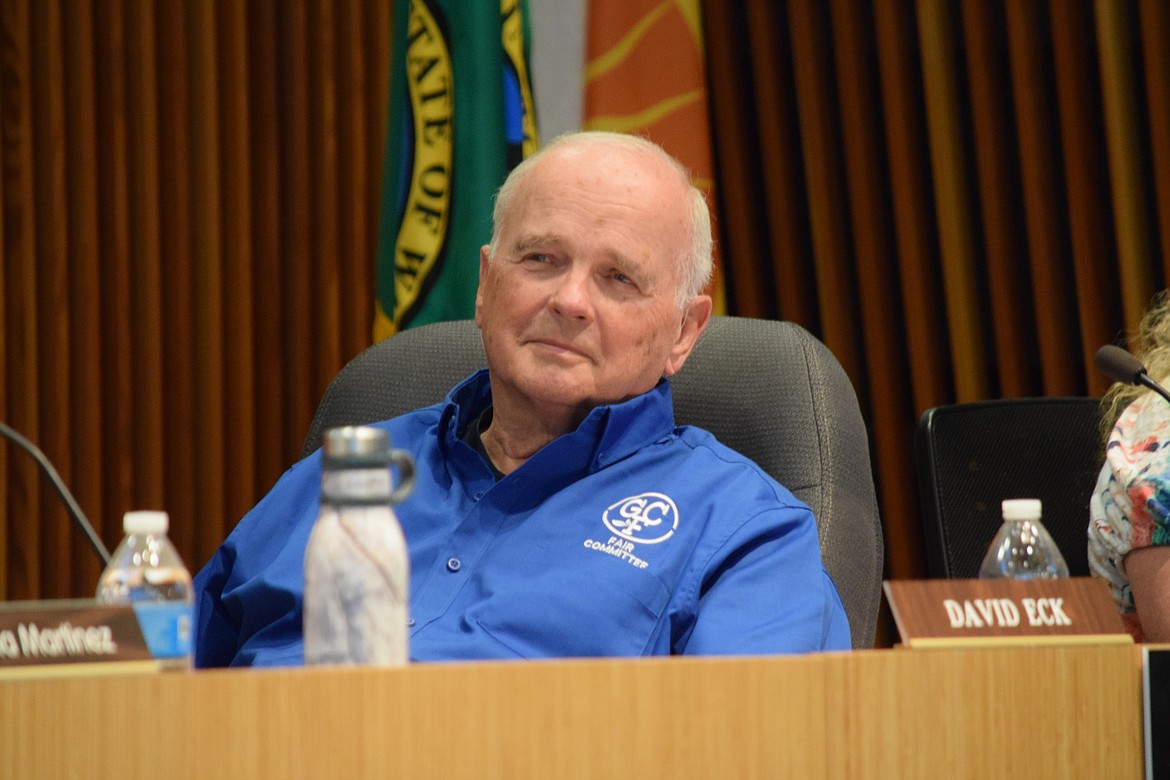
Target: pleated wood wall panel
<point x="964" y="199"/>
<point x="190" y="196"/>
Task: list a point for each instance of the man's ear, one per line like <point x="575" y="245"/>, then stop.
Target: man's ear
<point x="696" y="316"/>
<point x="483" y="264"/>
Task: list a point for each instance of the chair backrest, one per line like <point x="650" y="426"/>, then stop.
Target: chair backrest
<point x="972" y="456"/>
<point x="765" y="388"/>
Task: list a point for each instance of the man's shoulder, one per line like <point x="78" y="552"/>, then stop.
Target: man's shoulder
<point x="412" y="423"/>
<point x="728" y="469"/>
<point x="700" y="440"/>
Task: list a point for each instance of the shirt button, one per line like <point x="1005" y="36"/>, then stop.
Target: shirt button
<point x="478" y="495"/>
<point x="409" y="622"/>
<point x="454" y="564"/>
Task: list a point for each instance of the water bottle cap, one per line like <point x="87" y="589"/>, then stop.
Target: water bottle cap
<point x="145" y="521"/>
<point x="356" y="444"/>
<point x="1021" y="509"/>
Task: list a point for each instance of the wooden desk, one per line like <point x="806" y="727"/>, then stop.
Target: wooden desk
<point x="1059" y="712"/>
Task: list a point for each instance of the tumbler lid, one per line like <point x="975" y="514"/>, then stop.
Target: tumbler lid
<point x="356" y="444"/>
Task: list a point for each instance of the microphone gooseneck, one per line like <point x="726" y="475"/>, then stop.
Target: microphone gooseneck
<point x="1120" y="366"/>
<point x="70" y="503"/>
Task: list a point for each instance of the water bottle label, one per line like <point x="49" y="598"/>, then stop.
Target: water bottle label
<point x="166" y="627"/>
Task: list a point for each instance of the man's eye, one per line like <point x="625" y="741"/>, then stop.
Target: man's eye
<point x="622" y="278"/>
<point x="537" y="258"/>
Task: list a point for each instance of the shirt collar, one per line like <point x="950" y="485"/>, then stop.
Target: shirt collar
<point x="608" y="433"/>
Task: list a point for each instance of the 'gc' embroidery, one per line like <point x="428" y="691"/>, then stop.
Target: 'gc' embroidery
<point x="647" y="518"/>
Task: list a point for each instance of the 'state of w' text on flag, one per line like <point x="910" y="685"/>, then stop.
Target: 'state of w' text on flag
<point x="461" y="117"/>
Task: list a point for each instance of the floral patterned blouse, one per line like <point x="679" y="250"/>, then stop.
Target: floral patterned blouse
<point x="1130" y="507"/>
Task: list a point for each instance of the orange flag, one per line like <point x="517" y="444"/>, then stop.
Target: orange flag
<point x="646" y="75"/>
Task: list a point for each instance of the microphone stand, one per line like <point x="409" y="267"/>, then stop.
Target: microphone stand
<point x="70" y="503"/>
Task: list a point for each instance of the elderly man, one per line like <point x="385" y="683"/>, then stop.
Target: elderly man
<point x="558" y="511"/>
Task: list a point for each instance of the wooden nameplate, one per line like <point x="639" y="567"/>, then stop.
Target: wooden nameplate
<point x="956" y="613"/>
<point x="55" y="636"/>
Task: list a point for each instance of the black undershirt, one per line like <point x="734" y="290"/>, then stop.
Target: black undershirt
<point x="472" y="435"/>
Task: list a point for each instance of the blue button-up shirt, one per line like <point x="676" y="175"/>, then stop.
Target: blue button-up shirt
<point x="626" y="537"/>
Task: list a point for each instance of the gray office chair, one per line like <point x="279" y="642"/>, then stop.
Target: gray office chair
<point x="767" y="389"/>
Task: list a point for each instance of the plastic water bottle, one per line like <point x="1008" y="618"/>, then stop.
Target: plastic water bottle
<point x="146" y="572"/>
<point x="1022" y="548"/>
<point x="357" y="572"/>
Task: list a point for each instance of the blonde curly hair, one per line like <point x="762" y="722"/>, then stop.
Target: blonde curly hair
<point x="1153" y="350"/>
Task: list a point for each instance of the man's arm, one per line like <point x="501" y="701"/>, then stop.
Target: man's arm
<point x="216" y="634"/>
<point x="247" y="596"/>
<point x="767" y="592"/>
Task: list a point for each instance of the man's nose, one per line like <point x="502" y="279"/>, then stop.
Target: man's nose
<point x="572" y="297"/>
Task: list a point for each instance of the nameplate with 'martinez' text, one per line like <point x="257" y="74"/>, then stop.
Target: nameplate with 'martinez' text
<point x="73" y="631"/>
<point x="971" y="612"/>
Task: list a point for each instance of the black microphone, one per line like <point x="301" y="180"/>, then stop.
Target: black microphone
<point x="1120" y="366"/>
<point x="70" y="503"/>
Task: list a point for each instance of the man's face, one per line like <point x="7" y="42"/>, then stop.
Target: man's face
<point x="579" y="307"/>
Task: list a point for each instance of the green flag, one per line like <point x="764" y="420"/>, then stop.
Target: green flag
<point x="461" y="116"/>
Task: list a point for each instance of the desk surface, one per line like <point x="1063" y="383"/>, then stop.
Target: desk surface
<point x="1060" y="712"/>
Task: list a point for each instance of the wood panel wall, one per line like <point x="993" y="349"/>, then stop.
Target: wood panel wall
<point x="963" y="198"/>
<point x="189" y="199"/>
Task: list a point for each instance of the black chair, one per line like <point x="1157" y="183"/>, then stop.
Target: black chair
<point x="972" y="456"/>
<point x="768" y="389"/>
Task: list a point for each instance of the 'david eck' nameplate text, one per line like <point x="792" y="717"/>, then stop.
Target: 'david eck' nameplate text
<point x="938" y="612"/>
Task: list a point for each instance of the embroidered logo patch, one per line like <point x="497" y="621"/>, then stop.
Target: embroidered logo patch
<point x="647" y="518"/>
